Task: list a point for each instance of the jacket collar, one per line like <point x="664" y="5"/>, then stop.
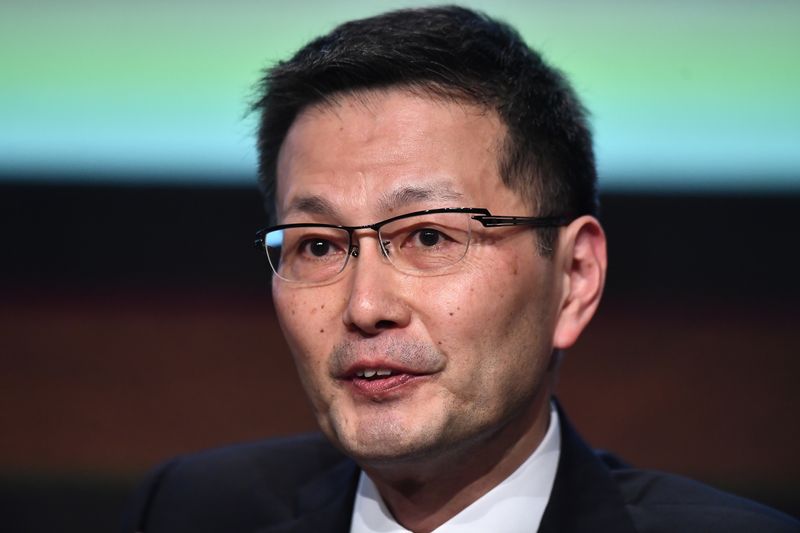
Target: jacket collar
<point x="584" y="498"/>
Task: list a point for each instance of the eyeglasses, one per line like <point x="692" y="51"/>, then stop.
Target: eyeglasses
<point x="421" y="243"/>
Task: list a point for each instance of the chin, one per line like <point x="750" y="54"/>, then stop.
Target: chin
<point x="383" y="456"/>
<point x="386" y="445"/>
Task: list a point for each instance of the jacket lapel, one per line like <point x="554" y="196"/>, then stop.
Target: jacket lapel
<point x="325" y="504"/>
<point x="584" y="497"/>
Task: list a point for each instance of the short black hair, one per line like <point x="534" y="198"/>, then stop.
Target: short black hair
<point x="453" y="53"/>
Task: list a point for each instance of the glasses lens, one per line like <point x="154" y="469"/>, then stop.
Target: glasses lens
<point x="308" y="254"/>
<point x="426" y="243"/>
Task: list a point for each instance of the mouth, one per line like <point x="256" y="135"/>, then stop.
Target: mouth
<point x="384" y="369"/>
<point x="374" y="373"/>
<point x="380" y="383"/>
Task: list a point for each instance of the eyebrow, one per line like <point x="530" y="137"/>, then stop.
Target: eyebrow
<point x="409" y="194"/>
<point x="312" y="205"/>
<point x="388" y="201"/>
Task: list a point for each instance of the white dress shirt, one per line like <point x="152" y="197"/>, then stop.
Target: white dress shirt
<point x="516" y="505"/>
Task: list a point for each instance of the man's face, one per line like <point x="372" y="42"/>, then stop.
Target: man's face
<point x="468" y="350"/>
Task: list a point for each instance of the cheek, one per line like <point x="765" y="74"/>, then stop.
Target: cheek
<point x="493" y="325"/>
<point x="486" y="300"/>
<point x="305" y="319"/>
<point x="450" y="313"/>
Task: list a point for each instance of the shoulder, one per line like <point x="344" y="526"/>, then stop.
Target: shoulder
<point x="276" y="461"/>
<point x="235" y="485"/>
<point x="659" y="502"/>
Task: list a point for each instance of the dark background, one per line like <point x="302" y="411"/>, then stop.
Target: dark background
<point x="136" y="324"/>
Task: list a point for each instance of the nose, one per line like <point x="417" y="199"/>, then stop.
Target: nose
<point x="375" y="300"/>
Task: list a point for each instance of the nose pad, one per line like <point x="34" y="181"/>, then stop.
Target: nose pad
<point x="384" y="247"/>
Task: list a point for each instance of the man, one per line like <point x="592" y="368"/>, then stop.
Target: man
<point x="433" y="186"/>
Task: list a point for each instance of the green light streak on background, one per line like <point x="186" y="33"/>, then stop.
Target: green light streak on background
<point x="683" y="94"/>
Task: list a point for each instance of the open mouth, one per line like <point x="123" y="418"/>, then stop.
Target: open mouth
<point x="377" y="382"/>
<point x="374" y="373"/>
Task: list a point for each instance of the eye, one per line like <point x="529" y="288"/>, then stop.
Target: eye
<point x="316" y="247"/>
<point x="428" y="237"/>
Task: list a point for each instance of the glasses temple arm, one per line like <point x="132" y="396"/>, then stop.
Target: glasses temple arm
<point x="490" y="221"/>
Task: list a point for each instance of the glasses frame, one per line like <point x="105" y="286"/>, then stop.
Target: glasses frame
<point x="481" y="214"/>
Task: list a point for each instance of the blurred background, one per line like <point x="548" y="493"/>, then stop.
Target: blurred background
<point x="135" y="314"/>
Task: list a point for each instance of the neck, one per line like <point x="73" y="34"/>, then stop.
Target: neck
<point x="428" y="493"/>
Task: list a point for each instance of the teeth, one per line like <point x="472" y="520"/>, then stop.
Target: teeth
<point x="372" y="372"/>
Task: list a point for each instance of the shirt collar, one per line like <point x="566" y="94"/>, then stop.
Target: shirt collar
<point x="516" y="504"/>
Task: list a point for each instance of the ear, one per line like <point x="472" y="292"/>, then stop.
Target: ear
<point x="581" y="255"/>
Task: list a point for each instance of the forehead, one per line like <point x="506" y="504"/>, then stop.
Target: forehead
<point x="369" y="153"/>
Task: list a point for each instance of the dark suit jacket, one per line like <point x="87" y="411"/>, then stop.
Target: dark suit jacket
<point x="304" y="485"/>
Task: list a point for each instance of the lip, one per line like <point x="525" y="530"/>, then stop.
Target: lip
<point x="399" y="382"/>
<point x="351" y="372"/>
<point x="385" y="388"/>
